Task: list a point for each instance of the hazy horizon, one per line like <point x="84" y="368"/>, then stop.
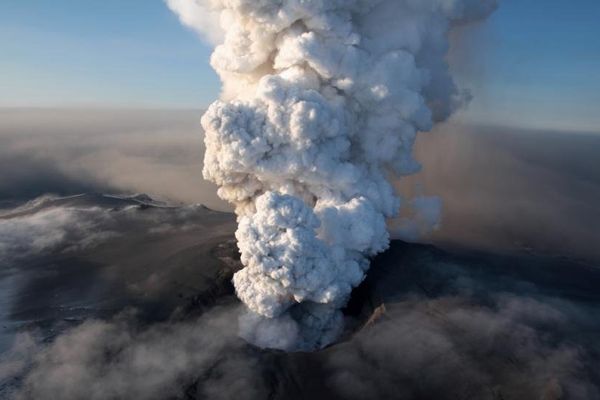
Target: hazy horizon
<point x="496" y="199"/>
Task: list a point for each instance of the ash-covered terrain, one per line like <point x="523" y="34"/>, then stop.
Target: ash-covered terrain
<point x="121" y="297"/>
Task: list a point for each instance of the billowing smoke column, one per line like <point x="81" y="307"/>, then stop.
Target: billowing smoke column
<point x="321" y="105"/>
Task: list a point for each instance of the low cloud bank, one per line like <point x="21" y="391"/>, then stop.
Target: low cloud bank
<point x="448" y="348"/>
<point x="118" y="359"/>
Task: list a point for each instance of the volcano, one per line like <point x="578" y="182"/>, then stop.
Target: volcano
<point x="425" y="323"/>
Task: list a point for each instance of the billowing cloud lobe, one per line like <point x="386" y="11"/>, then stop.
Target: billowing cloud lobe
<point x="321" y="104"/>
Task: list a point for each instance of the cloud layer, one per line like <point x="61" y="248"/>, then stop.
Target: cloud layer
<point x="118" y="359"/>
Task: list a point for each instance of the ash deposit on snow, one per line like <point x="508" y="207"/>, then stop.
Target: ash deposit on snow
<point x="321" y="105"/>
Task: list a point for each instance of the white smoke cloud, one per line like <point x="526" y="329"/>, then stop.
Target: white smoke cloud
<point x="322" y="102"/>
<point x="200" y="17"/>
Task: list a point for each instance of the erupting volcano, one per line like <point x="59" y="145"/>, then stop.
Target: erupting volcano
<point x="321" y="104"/>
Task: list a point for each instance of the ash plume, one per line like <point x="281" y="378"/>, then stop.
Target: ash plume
<point x="321" y="105"/>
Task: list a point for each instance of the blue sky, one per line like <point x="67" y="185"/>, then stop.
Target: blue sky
<point x="535" y="63"/>
<point x="539" y="65"/>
